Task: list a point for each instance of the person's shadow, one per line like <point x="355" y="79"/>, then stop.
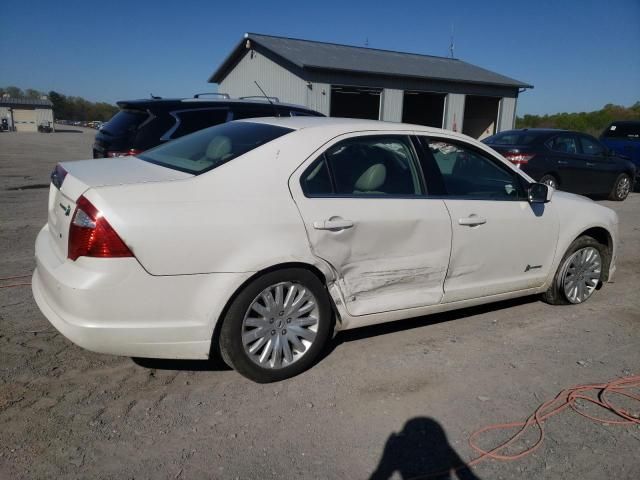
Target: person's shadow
<point x="421" y="450"/>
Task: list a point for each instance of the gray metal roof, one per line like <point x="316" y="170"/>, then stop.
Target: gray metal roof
<point x="310" y="55"/>
<point x="32" y="102"/>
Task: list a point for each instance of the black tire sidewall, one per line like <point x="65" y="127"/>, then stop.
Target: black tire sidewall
<point x="231" y="346"/>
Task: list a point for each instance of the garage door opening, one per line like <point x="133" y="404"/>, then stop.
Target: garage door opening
<point x="423" y="108"/>
<point x="480" y="116"/>
<point x="355" y="102"/>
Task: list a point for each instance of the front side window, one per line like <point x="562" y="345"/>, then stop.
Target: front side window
<point x="468" y="173"/>
<point x="365" y="166"/>
<point x="211" y="147"/>
<point x="590" y="146"/>
<point x="563" y="144"/>
<point x="627" y="131"/>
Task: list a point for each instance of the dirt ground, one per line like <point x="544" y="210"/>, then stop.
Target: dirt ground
<point x="392" y="401"/>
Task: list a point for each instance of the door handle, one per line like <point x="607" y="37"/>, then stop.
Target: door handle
<point x="563" y="162"/>
<point x="333" y="224"/>
<point x="472" y="220"/>
<point x="590" y="164"/>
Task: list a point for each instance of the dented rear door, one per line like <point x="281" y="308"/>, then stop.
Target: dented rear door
<point x="389" y="247"/>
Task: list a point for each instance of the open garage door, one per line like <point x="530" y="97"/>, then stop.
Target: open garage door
<point x="25" y="120"/>
<point x="355" y="102"/>
<point x="423" y="108"/>
<point x="480" y="116"/>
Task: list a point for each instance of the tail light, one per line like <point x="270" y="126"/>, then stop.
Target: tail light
<point x="90" y="235"/>
<point x="518" y="158"/>
<point x="115" y="153"/>
<point x="58" y="175"/>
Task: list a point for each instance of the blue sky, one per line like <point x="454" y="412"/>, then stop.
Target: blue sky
<point x="579" y="55"/>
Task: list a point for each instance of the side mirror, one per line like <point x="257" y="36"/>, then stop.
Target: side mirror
<point x="539" y="193"/>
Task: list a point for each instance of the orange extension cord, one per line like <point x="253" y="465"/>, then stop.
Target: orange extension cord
<point x="601" y="392"/>
<point x="15" y="277"/>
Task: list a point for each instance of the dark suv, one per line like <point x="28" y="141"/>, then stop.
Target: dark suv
<point x="142" y="124"/>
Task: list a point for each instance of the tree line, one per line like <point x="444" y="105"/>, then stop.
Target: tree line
<point x="67" y="107"/>
<point x="593" y="123"/>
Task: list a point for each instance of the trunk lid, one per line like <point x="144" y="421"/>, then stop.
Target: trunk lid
<point x="86" y="174"/>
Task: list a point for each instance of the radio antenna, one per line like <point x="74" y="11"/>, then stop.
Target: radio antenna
<point x="268" y="99"/>
<point x="452" y="45"/>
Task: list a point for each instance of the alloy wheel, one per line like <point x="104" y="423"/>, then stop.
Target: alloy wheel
<point x="581" y="274"/>
<point x="280" y="325"/>
<point x="623" y="187"/>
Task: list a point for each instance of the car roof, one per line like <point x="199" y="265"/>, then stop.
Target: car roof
<point x="346" y="124"/>
<point x="172" y="102"/>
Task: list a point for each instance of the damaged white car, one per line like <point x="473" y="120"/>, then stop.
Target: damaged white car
<point x="259" y="237"/>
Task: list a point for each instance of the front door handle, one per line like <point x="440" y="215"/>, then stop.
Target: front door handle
<point x="590" y="164"/>
<point x="333" y="224"/>
<point x="563" y="162"/>
<point x="472" y="220"/>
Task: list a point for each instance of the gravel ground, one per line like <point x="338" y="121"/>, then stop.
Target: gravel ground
<point x="391" y="401"/>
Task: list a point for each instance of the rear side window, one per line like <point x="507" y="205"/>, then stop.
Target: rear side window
<point x="189" y="121"/>
<point x="563" y="144"/>
<point x="364" y="166"/>
<point x="629" y="131"/>
<point x="124" y="122"/>
<point x="209" y="148"/>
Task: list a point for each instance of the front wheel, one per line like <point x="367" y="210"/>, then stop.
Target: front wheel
<point x="549" y="180"/>
<point x="579" y="274"/>
<point x="621" y="188"/>
<point x="277" y="326"/>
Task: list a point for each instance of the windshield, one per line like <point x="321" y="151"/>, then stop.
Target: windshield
<point x="630" y="130"/>
<point x="209" y="148"/>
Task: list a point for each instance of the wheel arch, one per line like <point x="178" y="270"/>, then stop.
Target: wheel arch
<point x="215" y="337"/>
<point x="602" y="236"/>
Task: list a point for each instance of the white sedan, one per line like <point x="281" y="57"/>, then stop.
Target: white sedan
<point x="259" y="238"/>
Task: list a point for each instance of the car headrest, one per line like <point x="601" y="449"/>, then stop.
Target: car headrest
<point x="372" y="178"/>
<point x="219" y="148"/>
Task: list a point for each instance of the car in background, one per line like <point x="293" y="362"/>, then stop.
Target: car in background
<point x="257" y="238"/>
<point x="570" y="161"/>
<point x="624" y="139"/>
<point x="143" y="124"/>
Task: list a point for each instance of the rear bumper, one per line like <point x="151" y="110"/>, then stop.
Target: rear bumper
<point x="114" y="306"/>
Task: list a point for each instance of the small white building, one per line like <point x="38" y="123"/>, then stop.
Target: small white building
<point x="358" y="82"/>
<point x="26" y="114"/>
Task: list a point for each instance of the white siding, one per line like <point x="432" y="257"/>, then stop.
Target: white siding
<point x="507" y="115"/>
<point x="274" y="80"/>
<point x="391" y="105"/>
<point x="454" y="112"/>
<point x="319" y="98"/>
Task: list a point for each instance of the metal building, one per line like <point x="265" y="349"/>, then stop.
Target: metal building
<point x="358" y="82"/>
<point x="26" y="114"/>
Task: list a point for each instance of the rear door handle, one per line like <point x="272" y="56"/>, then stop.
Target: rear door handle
<point x="563" y="162"/>
<point x="472" y="220"/>
<point x="589" y="164"/>
<point x="333" y="224"/>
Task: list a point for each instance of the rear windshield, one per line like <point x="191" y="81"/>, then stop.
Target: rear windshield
<point x="511" y="138"/>
<point x="125" y="121"/>
<point x="623" y="130"/>
<point x="209" y="148"/>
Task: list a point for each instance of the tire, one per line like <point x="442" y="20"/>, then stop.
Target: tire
<point x="621" y="188"/>
<point x="293" y="322"/>
<point x="565" y="275"/>
<point x="549" y="180"/>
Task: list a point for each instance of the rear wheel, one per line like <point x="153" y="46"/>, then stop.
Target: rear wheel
<point x="579" y="274"/>
<point x="549" y="180"/>
<point x="621" y="188"/>
<point x="277" y="326"/>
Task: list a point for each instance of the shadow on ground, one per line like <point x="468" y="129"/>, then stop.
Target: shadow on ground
<point x="421" y="450"/>
<point x="212" y="365"/>
<point x="67" y="130"/>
